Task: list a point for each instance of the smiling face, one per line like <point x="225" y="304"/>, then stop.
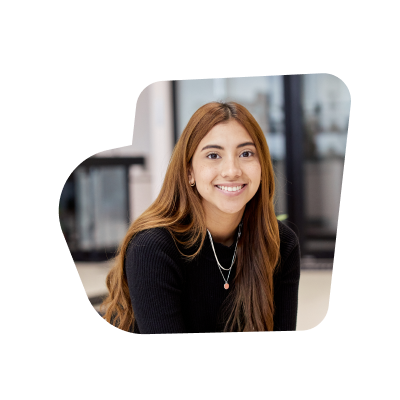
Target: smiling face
<point x="226" y="169"/>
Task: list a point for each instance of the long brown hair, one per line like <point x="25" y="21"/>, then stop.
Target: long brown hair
<point x="178" y="209"/>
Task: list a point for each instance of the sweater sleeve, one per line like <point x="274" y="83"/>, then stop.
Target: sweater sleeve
<point x="287" y="284"/>
<point x="155" y="282"/>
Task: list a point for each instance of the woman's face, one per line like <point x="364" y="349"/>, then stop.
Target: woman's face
<point x="226" y="169"/>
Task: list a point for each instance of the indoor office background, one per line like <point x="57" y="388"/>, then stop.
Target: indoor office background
<point x="305" y="120"/>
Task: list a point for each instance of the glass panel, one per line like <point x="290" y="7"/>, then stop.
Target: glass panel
<point x="326" y="108"/>
<point x="262" y="96"/>
<point x="101" y="207"/>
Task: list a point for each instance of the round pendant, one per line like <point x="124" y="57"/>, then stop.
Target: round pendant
<point x="226" y="286"/>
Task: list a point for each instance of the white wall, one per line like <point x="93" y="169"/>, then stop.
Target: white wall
<point x="152" y="139"/>
<point x="161" y="132"/>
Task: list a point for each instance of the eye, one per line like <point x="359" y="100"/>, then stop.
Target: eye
<point x="218" y="155"/>
<point x="248" y="152"/>
<point x="213" y="156"/>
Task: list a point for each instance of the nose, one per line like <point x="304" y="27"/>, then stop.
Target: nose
<point x="231" y="168"/>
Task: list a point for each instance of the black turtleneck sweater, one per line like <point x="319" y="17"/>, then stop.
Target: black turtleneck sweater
<point x="171" y="295"/>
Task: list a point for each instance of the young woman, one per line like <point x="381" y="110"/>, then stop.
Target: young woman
<point x="209" y="254"/>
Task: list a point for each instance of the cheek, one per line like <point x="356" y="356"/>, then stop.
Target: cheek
<point x="206" y="176"/>
<point x="254" y="172"/>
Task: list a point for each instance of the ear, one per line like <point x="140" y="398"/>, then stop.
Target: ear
<point x="191" y="175"/>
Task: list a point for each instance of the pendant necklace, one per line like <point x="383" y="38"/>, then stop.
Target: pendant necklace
<point x="226" y="286"/>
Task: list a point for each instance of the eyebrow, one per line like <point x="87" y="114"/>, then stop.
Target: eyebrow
<point x="215" y="146"/>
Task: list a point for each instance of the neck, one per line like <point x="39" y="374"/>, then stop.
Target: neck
<point x="224" y="233"/>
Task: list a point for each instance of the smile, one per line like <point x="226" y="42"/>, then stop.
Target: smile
<point x="230" y="188"/>
<point x="231" y="192"/>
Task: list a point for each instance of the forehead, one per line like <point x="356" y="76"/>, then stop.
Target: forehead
<point x="226" y="133"/>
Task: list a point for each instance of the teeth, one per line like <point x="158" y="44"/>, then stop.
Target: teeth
<point x="230" y="188"/>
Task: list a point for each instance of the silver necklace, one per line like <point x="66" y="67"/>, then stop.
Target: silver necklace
<point x="226" y="286"/>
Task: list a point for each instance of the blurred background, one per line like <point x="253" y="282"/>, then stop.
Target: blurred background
<point x="305" y="121"/>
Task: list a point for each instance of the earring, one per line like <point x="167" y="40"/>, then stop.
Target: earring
<point x="191" y="184"/>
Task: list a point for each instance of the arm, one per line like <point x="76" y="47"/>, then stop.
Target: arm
<point x="155" y="283"/>
<point x="286" y="291"/>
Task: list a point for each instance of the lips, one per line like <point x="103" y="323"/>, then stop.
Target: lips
<point x="230" y="189"/>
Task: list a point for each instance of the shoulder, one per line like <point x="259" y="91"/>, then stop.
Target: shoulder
<point x="288" y="240"/>
<point x="152" y="237"/>
<point x="286" y="234"/>
<point x="152" y="256"/>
